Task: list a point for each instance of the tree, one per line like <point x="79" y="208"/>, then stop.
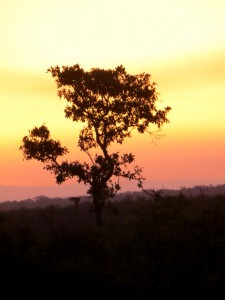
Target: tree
<point x="110" y="103"/>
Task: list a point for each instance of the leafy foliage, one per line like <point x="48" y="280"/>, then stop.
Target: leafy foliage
<point x="40" y="147"/>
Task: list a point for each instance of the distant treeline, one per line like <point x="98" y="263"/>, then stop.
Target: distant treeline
<point x="43" y="201"/>
<point x="156" y="246"/>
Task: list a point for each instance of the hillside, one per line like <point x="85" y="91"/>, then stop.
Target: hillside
<point x="172" y="246"/>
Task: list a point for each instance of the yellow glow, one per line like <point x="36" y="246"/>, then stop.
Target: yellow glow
<point x="40" y="33"/>
<point x="180" y="43"/>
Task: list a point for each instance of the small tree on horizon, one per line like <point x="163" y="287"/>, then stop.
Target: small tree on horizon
<point x="110" y="103"/>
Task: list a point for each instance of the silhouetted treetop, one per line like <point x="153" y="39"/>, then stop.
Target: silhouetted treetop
<point x="111" y="103"/>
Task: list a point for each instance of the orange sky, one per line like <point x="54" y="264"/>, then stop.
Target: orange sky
<point x="180" y="43"/>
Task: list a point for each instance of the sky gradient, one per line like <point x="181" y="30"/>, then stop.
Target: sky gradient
<point x="180" y="43"/>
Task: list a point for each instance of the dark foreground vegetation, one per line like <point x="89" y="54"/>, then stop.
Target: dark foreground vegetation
<point x="167" y="246"/>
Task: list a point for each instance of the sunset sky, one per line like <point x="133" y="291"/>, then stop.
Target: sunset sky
<point x="181" y="43"/>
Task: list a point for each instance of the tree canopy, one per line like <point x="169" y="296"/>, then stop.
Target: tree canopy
<point x="110" y="104"/>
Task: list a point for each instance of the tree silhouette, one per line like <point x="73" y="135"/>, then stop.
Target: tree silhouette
<point x="110" y="103"/>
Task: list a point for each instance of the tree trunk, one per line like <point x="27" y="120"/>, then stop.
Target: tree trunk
<point x="98" y="213"/>
<point x="98" y="205"/>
